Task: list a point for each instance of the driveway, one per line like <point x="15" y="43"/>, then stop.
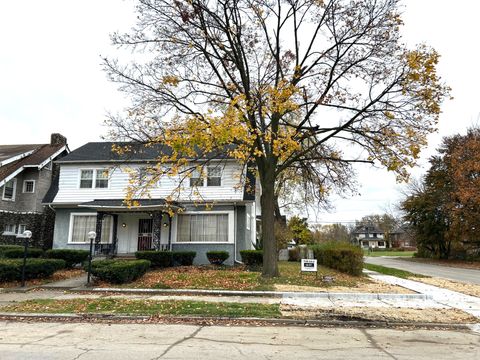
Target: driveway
<point x="456" y="274"/>
<point x="154" y="341"/>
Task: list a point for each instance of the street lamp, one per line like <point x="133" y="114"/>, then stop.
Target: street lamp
<point x="91" y="235"/>
<point x="27" y="234"/>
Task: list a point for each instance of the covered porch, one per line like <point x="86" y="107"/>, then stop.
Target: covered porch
<point x="123" y="230"/>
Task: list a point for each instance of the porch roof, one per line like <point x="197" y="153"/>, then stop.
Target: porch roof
<point x="140" y="205"/>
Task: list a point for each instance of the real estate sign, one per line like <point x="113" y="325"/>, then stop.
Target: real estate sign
<point x="309" y="265"/>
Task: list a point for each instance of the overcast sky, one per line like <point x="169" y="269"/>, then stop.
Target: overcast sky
<point x="51" y="79"/>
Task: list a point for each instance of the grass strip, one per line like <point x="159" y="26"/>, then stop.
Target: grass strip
<point x="392" y="271"/>
<point x="146" y="307"/>
<point x="389" y="253"/>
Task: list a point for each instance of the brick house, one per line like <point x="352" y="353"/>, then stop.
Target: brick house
<point x="26" y="173"/>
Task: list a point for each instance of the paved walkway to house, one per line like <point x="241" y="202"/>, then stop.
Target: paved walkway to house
<point x="68" y="283"/>
<point x="447" y="272"/>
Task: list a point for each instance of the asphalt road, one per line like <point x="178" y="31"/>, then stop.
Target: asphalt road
<point x="146" y="341"/>
<point x="456" y="274"/>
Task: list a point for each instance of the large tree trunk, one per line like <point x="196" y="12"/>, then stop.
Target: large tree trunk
<point x="270" y="267"/>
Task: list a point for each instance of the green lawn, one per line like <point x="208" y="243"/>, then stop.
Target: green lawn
<point x="146" y="307"/>
<point x="389" y="253"/>
<point x="391" y="271"/>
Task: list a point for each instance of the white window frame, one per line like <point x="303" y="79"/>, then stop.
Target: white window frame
<point x="214" y="167"/>
<point x="14" y="190"/>
<point x="5" y="232"/>
<point x="18" y="228"/>
<point x="94" y="178"/>
<point x="231" y="227"/>
<point x="70" y="230"/>
<point x="25" y="186"/>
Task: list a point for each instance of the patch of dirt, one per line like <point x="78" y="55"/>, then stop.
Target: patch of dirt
<point x="464" y="288"/>
<point x="371" y="287"/>
<point x="445" y="316"/>
<point x="475" y="265"/>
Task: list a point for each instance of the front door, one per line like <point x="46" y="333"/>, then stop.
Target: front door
<point x="145" y="234"/>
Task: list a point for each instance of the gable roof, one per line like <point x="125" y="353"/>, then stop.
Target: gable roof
<point x="101" y="152"/>
<point x="367" y="228"/>
<point x="25" y="156"/>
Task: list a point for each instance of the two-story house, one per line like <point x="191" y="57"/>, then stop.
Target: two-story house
<point x="26" y="173"/>
<point x="369" y="236"/>
<point x="90" y="196"/>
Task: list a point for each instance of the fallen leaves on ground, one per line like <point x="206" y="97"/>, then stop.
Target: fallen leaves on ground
<point x="57" y="276"/>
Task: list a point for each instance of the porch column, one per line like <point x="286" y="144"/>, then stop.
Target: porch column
<point x="156" y="229"/>
<point x="113" y="250"/>
<point x="98" y="230"/>
<point x="169" y="231"/>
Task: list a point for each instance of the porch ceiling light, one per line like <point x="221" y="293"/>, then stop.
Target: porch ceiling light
<point x="124" y="225"/>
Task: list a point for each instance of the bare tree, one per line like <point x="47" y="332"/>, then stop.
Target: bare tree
<point x="302" y="86"/>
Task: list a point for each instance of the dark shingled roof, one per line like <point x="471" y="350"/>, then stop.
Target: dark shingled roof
<point x="102" y="152"/>
<point x="42" y="153"/>
<point x="9" y="151"/>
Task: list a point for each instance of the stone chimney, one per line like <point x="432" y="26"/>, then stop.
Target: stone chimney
<point x="58" y="139"/>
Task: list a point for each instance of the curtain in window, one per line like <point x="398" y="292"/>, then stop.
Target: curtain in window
<point x="82" y="225"/>
<point x="107" y="229"/>
<point x="203" y="228"/>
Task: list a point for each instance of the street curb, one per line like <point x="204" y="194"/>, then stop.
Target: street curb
<point x="270" y="294"/>
<point x="275" y="321"/>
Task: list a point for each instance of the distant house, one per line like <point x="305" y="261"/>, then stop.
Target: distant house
<point x="26" y="173"/>
<point x="90" y="197"/>
<point x="369" y="236"/>
<point x="403" y="237"/>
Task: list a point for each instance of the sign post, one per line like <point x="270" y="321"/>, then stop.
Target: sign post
<point x="309" y="265"/>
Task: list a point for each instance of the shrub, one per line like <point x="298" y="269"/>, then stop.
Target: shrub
<point x="156" y="258"/>
<point x="184" y="258"/>
<point x="4" y="248"/>
<point x="71" y="256"/>
<point x="341" y="256"/>
<point x="11" y="269"/>
<point x="252" y="257"/>
<point x="18" y="253"/>
<point x="217" y="257"/>
<point x="119" y="271"/>
<point x="294" y="254"/>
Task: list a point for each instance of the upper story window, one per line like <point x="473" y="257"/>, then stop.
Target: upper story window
<point x="89" y="177"/>
<point x="29" y="186"/>
<point x="214" y="176"/>
<point x="196" y="179"/>
<point x="9" y="190"/>
<point x="101" y="179"/>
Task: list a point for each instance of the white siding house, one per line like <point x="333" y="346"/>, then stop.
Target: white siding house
<point x="92" y="186"/>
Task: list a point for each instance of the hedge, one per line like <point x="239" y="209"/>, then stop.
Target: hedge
<point x="217" y="257"/>
<point x="183" y="258"/>
<point x="164" y="259"/>
<point x="71" y="256"/>
<point x="11" y="269"/>
<point x="341" y="256"/>
<point x="119" y="271"/>
<point x="4" y="248"/>
<point x="157" y="258"/>
<point x="294" y="254"/>
<point x="252" y="257"/>
<point x="18" y="253"/>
